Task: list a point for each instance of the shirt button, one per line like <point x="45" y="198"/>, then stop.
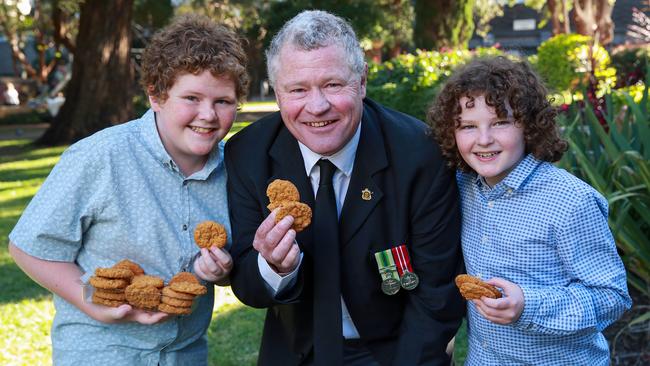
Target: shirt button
<point x="509" y="191"/>
<point x="490" y="204"/>
<point x="485" y="239"/>
<point x="184" y="227"/>
<point x="484" y="344"/>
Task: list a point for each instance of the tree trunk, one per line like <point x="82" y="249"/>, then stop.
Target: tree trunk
<point x="594" y="18"/>
<point x="441" y="23"/>
<point x="559" y="16"/>
<point x="100" y="91"/>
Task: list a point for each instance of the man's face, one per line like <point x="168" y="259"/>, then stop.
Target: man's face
<point x="320" y="98"/>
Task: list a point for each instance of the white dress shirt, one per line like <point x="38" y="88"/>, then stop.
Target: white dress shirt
<point x="344" y="162"/>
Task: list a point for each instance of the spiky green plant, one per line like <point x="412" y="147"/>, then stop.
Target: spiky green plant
<point x="615" y="159"/>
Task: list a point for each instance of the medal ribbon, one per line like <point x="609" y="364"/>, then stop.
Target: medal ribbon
<point x="386" y="265"/>
<point x="401" y="257"/>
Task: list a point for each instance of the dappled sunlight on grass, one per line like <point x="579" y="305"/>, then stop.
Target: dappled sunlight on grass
<point x="235" y="331"/>
<point x="25" y="332"/>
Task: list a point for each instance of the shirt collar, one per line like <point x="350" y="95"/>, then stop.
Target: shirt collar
<point x="517" y="176"/>
<point x="154" y="144"/>
<point x="342" y="159"/>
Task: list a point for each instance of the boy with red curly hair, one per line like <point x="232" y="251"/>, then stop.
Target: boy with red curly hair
<point x="533" y="230"/>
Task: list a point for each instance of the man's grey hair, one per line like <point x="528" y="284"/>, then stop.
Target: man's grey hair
<point x="314" y="29"/>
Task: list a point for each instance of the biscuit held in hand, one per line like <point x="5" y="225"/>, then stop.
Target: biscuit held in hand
<point x="209" y="233"/>
<point x="300" y="212"/>
<point x="281" y="191"/>
<point x="473" y="288"/>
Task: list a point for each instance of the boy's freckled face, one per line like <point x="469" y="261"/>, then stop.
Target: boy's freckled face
<point x="197" y="114"/>
<point x="490" y="145"/>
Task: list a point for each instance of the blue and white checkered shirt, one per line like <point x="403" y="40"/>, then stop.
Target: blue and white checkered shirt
<point x="114" y="195"/>
<point x="545" y="230"/>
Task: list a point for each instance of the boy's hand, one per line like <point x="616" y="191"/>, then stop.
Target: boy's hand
<point x="505" y="310"/>
<point x="213" y="265"/>
<point x="277" y="243"/>
<point x="126" y="313"/>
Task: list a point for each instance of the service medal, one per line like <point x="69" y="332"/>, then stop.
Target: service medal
<point x="390" y="286"/>
<point x="408" y="279"/>
<point x="390" y="283"/>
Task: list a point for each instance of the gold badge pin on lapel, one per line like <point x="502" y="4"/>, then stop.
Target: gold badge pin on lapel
<point x="366" y="194"/>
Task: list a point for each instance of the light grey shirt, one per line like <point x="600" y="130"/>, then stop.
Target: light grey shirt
<point x="116" y="195"/>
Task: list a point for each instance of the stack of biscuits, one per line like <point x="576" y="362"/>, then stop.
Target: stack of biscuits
<point x="144" y="292"/>
<point x="110" y="283"/>
<point x="178" y="295"/>
<point x="284" y="196"/>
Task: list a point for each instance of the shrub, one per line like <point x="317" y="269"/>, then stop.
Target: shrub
<point x="630" y="64"/>
<point x="564" y="62"/>
<point x="615" y="159"/>
<point x="409" y="82"/>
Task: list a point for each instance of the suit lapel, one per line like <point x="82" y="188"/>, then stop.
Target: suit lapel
<point x="289" y="165"/>
<point x="370" y="158"/>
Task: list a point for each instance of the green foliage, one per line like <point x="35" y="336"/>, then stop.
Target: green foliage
<point x="630" y="64"/>
<point x="410" y="82"/>
<point x="565" y="62"/>
<point x="443" y="24"/>
<point x="615" y="159"/>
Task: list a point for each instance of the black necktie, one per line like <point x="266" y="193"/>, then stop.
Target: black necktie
<point x="328" y="335"/>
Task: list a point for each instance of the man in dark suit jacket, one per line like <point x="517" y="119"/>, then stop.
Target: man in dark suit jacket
<point x="392" y="187"/>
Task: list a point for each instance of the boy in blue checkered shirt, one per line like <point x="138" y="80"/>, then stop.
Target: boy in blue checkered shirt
<point x="529" y="228"/>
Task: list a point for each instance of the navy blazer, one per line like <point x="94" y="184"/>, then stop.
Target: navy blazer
<point x="414" y="202"/>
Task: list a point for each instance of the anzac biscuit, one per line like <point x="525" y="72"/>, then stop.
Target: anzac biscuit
<point x="184" y="277"/>
<point x="108" y="283"/>
<point x="188" y="288"/>
<point x="273" y="205"/>
<point x="473" y="288"/>
<point x="132" y="266"/>
<point x="281" y="191"/>
<point x="123" y="273"/>
<point x="117" y="296"/>
<point x="167" y="291"/>
<point x="209" y="233"/>
<point x="145" y="297"/>
<point x="170" y="309"/>
<point x="106" y="302"/>
<point x="301" y="214"/>
<point x="176" y="302"/>
<point x="148" y="280"/>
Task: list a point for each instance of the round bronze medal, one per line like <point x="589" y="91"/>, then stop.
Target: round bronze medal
<point x="409" y="280"/>
<point x="390" y="286"/>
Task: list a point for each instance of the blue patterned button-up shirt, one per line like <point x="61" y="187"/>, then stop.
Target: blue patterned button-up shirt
<point x="116" y="195"/>
<point x="545" y="230"/>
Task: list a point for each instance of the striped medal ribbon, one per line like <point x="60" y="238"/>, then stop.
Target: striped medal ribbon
<point x="390" y="284"/>
<point x="408" y="279"/>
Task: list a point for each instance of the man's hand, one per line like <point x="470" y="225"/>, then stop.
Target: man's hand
<point x="505" y="310"/>
<point x="277" y="243"/>
<point x="125" y="313"/>
<point x="213" y="265"/>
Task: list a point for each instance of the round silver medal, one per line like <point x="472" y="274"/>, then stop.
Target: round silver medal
<point x="409" y="280"/>
<point x="390" y="286"/>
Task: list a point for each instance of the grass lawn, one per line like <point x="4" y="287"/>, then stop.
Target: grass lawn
<point x="26" y="310"/>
